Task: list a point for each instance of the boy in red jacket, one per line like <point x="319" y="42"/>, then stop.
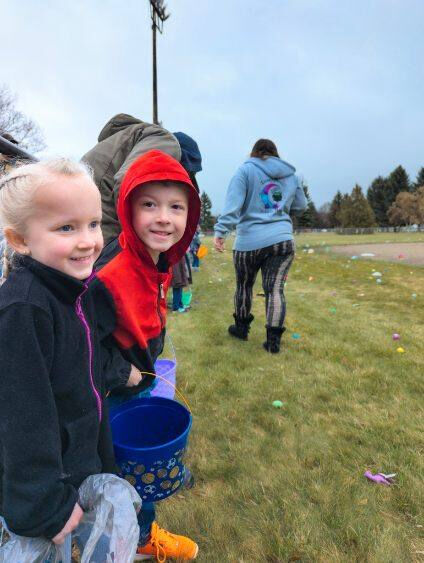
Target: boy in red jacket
<point x="159" y="210"/>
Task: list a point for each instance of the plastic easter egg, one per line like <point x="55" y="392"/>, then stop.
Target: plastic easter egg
<point x="400" y="350"/>
<point x="395" y="336"/>
<point x="277" y="404"/>
<point x="296" y="335"/>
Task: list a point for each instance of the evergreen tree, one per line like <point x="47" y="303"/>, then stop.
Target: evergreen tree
<point x="343" y="216"/>
<point x="398" y="182"/>
<point x="333" y="214"/>
<point x="356" y="210"/>
<point x="206" y="219"/>
<point x="379" y="195"/>
<point x="309" y="218"/>
<point x="420" y="179"/>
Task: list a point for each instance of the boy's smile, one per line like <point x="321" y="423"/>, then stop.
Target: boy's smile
<point x="159" y="215"/>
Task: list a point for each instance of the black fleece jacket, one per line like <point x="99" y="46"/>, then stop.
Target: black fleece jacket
<point x="54" y="424"/>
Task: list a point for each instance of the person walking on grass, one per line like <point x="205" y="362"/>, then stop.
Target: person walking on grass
<point x="260" y="198"/>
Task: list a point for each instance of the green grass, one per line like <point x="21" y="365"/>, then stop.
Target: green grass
<point x="331" y="239"/>
<point x="279" y="485"/>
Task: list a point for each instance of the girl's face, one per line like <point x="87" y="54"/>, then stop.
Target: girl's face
<point x="63" y="231"/>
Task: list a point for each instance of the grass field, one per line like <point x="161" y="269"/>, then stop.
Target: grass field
<point x="331" y="239"/>
<point x="280" y="485"/>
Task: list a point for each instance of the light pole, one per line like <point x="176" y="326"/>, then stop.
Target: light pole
<point x="158" y="15"/>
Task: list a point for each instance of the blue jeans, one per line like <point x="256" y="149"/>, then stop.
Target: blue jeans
<point x="147" y="513"/>
<point x="177" y="298"/>
<point x="196" y="261"/>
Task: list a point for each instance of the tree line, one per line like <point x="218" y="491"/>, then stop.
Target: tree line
<point x="392" y="200"/>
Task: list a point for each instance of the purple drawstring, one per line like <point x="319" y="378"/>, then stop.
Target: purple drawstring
<point x="81" y="316"/>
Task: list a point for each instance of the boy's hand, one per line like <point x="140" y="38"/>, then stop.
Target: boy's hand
<point x="219" y="244"/>
<point x="134" y="378"/>
<point x="71" y="524"/>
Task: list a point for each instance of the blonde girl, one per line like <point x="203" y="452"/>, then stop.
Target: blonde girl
<point x="53" y="425"/>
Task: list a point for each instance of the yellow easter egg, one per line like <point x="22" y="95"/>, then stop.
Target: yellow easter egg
<point x="131" y="480"/>
<point x="174" y="472"/>
<point x="148" y="478"/>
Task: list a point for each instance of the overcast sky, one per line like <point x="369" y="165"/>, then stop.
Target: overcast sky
<point x="338" y="85"/>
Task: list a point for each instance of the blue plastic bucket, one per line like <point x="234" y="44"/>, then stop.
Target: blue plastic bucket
<point x="167" y="370"/>
<point x="150" y="437"/>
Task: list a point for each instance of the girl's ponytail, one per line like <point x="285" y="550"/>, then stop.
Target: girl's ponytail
<point x="6" y="262"/>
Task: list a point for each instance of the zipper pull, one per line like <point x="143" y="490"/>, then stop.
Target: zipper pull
<point x="162" y="293"/>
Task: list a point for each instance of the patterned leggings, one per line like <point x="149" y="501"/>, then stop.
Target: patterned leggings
<point x="274" y="262"/>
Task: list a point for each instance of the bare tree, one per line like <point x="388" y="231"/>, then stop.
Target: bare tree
<point x="408" y="208"/>
<point x="26" y="132"/>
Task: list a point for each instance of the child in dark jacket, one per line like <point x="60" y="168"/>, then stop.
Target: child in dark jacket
<point x="158" y="209"/>
<point x="54" y="428"/>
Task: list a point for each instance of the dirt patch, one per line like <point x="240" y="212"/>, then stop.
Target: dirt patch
<point x="408" y="252"/>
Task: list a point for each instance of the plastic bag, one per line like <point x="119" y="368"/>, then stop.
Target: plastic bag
<point x="35" y="550"/>
<point x="108" y="531"/>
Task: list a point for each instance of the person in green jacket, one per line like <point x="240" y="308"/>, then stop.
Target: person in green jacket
<point x="121" y="141"/>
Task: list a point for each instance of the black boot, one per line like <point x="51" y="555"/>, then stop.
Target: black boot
<point x="273" y="339"/>
<point x="241" y="328"/>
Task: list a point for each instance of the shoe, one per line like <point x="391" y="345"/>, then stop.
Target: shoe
<point x="164" y="545"/>
<point x="273" y="339"/>
<point x="241" y="328"/>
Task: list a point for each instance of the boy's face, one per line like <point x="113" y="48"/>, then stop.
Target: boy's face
<point x="159" y="215"/>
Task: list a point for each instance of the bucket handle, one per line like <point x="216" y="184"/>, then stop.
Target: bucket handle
<point x="172" y="347"/>
<point x="177" y="391"/>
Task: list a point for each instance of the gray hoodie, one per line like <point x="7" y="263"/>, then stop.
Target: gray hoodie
<point x="259" y="199"/>
<point x="121" y="141"/>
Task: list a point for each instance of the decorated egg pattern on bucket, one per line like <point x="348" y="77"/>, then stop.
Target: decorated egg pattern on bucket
<point x="157" y="482"/>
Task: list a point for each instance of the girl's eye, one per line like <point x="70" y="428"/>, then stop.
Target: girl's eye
<point x="65" y="228"/>
<point x="148" y="204"/>
<point x="178" y="206"/>
<point x="94" y="224"/>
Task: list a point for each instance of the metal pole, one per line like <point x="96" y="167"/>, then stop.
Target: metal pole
<point x="10" y="149"/>
<point x="155" y="76"/>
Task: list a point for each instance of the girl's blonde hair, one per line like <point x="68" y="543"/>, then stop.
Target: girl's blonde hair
<point x="17" y="190"/>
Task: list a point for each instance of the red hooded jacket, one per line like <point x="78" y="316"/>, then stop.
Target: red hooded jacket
<point x="131" y="289"/>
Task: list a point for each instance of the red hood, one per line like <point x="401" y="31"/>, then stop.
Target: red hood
<point x="155" y="166"/>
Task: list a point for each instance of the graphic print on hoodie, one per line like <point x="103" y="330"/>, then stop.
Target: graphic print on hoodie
<point x="130" y="289"/>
